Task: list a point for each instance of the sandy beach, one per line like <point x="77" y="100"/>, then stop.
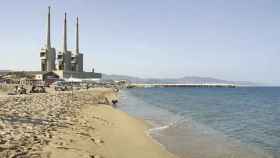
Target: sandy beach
<point x="79" y="125"/>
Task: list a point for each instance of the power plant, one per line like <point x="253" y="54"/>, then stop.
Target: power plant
<point x="55" y="65"/>
<point x="65" y="63"/>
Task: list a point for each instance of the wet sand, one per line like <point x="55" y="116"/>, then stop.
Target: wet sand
<point x="79" y="125"/>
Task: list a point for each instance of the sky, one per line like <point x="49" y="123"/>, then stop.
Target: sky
<point x="227" y="39"/>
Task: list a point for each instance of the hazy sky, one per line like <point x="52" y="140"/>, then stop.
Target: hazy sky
<point x="227" y="39"/>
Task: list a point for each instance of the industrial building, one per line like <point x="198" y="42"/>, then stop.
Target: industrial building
<point x="65" y="63"/>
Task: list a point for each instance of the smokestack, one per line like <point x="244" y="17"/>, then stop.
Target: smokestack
<point x="65" y="34"/>
<point x="49" y="29"/>
<point x="77" y="37"/>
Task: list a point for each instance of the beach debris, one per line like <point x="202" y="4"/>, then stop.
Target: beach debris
<point x="37" y="89"/>
<point x="18" y="90"/>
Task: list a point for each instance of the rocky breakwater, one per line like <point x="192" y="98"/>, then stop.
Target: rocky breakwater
<point x="29" y="122"/>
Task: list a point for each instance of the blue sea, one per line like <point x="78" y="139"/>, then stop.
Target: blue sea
<point x="210" y="122"/>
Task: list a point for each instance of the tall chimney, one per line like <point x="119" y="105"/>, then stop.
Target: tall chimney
<point x="49" y="29"/>
<point x="65" y="34"/>
<point x="77" y="37"/>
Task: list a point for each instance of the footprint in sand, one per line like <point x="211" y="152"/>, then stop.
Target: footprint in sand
<point x="97" y="141"/>
<point x="105" y="122"/>
<point x="96" y="156"/>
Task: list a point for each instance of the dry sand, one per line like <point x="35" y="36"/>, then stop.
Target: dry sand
<point x="65" y="125"/>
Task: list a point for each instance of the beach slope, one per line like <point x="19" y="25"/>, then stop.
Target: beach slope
<point x="103" y="131"/>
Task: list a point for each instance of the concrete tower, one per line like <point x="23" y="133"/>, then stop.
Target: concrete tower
<point x="79" y="56"/>
<point x="77" y="36"/>
<point x="49" y="29"/>
<point x="67" y="54"/>
<point x="64" y="57"/>
<point x="48" y="53"/>
<point x="65" y="33"/>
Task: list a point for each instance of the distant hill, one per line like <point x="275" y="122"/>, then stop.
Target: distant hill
<point x="2" y="72"/>
<point x="183" y="80"/>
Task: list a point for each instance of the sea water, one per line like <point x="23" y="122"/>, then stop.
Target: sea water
<point x="210" y="122"/>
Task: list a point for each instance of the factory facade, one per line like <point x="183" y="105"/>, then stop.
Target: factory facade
<point x="64" y="63"/>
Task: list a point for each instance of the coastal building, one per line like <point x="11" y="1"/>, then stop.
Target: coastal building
<point x="67" y="63"/>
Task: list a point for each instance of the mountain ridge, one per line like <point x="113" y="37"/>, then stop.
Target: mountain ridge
<point x="181" y="80"/>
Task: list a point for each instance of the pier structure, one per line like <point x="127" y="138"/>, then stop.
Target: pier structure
<point x="162" y="85"/>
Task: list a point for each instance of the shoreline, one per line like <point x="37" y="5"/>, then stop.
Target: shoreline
<point x="122" y="135"/>
<point x="188" y="137"/>
<point x="151" y="127"/>
<point x="148" y="133"/>
<point x="55" y="125"/>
